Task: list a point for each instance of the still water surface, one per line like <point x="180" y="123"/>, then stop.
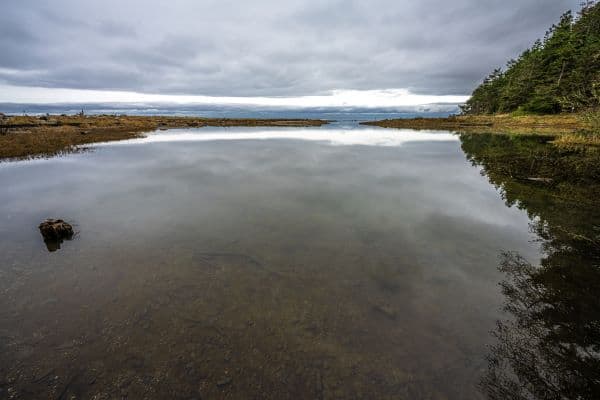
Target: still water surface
<point x="333" y="262"/>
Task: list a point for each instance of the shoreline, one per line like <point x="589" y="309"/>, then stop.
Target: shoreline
<point x="23" y="137"/>
<point x="568" y="129"/>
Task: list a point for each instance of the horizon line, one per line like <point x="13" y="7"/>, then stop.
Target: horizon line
<point x="337" y="98"/>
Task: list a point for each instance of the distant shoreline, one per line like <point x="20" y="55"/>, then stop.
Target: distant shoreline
<point x="567" y="128"/>
<point x="23" y="137"/>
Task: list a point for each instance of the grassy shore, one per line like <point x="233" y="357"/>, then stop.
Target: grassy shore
<point x="30" y="136"/>
<point x="567" y="128"/>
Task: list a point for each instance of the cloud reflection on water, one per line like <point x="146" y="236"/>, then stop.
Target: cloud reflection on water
<point x="335" y="137"/>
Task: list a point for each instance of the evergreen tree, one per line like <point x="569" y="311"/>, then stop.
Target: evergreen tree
<point x="560" y="73"/>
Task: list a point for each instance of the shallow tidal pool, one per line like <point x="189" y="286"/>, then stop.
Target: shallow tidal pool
<point x="319" y="263"/>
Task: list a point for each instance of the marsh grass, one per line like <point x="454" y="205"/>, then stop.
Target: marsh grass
<point x="592" y="120"/>
<point x="568" y="129"/>
<point x="31" y="136"/>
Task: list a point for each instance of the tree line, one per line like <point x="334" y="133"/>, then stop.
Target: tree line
<point x="560" y="73"/>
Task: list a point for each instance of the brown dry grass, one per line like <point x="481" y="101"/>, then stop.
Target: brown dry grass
<point x="28" y="136"/>
<point x="568" y="128"/>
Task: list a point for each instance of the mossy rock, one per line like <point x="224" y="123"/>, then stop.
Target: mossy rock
<point x="54" y="231"/>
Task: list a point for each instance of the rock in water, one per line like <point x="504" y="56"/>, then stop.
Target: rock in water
<point x="54" y="232"/>
<point x="56" y="229"/>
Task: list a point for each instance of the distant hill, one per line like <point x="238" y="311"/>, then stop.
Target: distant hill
<point x="560" y="73"/>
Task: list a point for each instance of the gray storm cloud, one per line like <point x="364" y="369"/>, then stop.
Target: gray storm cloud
<point x="266" y="47"/>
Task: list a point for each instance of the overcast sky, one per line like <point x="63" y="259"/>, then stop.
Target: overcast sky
<point x="265" y="47"/>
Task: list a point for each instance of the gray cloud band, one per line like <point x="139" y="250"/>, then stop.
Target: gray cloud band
<point x="267" y="47"/>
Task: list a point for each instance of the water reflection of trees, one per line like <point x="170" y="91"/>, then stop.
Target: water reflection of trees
<point x="549" y="346"/>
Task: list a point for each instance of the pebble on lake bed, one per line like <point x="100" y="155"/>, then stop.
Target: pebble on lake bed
<point x="54" y="232"/>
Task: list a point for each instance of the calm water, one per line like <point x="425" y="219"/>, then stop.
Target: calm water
<point x="333" y="262"/>
<point x="225" y="111"/>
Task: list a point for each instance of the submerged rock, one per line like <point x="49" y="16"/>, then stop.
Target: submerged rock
<point x="54" y="231"/>
<point x="224" y="382"/>
<point x="543" y="180"/>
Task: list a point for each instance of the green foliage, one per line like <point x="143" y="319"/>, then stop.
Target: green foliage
<point x="560" y="73"/>
<point x="592" y="118"/>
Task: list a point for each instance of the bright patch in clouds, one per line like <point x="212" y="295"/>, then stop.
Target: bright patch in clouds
<point x="336" y="98"/>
